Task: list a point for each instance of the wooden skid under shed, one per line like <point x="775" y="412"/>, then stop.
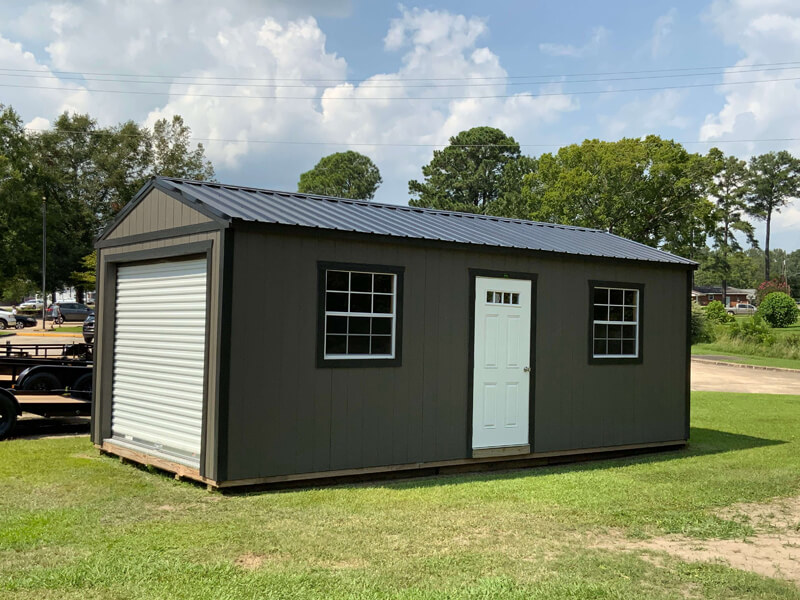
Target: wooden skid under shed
<point x="533" y="459"/>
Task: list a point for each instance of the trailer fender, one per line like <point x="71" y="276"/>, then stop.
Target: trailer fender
<point x="9" y="410"/>
<point x="47" y="378"/>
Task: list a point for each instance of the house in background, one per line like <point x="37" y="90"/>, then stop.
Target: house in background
<point x="248" y="336"/>
<point x="703" y="294"/>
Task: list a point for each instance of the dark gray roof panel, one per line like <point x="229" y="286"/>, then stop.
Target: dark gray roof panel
<point x="305" y="210"/>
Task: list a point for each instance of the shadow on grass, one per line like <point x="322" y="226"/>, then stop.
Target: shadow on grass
<point x="702" y="442"/>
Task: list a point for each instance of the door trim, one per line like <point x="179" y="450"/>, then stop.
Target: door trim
<point x="101" y="396"/>
<point x="472" y="274"/>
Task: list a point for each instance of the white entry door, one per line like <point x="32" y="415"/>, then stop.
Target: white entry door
<point x="502" y="354"/>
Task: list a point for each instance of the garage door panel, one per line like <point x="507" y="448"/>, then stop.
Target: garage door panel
<point x="159" y="357"/>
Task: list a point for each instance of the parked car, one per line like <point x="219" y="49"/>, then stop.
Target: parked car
<point x="742" y="309"/>
<point x="7" y="319"/>
<point x="88" y="329"/>
<point x="70" y="311"/>
<point x="31" y="304"/>
<point x="24" y="321"/>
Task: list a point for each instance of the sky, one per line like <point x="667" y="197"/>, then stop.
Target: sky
<point x="270" y="87"/>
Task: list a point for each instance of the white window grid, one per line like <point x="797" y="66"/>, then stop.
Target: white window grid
<point x="371" y="314"/>
<point x="507" y="298"/>
<point x="624" y="307"/>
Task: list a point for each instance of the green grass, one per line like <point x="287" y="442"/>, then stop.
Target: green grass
<point x="74" y="524"/>
<point x="68" y="329"/>
<point x="784" y="363"/>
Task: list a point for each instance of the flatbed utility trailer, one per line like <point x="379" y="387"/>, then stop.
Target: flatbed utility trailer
<point x="46" y="367"/>
<point x="49" y="380"/>
<point x="14" y="402"/>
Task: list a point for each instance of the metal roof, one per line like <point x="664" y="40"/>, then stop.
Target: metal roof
<point x="340" y="214"/>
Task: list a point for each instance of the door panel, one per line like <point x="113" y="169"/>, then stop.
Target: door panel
<point x="502" y="353"/>
<point x="159" y="357"/>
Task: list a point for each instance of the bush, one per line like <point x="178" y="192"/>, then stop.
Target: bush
<point x="753" y="331"/>
<point x="701" y="330"/>
<point x="715" y="312"/>
<point x="778" y="309"/>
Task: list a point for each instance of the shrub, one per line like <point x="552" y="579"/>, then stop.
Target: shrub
<point x="701" y="330"/>
<point x="754" y="331"/>
<point x="778" y="309"/>
<point x="768" y="287"/>
<point x="715" y="312"/>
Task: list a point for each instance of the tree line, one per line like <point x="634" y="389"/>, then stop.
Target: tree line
<point x="84" y="174"/>
<point x="650" y="190"/>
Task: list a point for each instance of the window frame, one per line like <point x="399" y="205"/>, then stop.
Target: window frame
<point x="617" y="360"/>
<point x="359" y="361"/>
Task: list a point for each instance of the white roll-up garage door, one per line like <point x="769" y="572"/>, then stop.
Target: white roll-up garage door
<point x="159" y="357"/>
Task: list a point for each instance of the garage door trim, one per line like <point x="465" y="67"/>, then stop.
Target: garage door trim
<point x="104" y="381"/>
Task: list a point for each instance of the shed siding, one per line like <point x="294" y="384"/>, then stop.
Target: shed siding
<point x="156" y="212"/>
<point x="287" y="416"/>
<point x="103" y="362"/>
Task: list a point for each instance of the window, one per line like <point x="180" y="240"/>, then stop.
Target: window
<point x="510" y="298"/>
<point x="359" y="314"/>
<point x="615" y="321"/>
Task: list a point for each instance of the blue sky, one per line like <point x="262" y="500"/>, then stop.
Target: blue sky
<point x="389" y="44"/>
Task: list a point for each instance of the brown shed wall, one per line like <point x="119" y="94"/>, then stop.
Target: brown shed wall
<point x="285" y="416"/>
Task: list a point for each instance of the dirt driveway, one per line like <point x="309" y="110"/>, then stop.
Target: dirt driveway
<point x="708" y="377"/>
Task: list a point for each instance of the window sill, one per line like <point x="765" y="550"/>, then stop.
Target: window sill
<point x="358" y="363"/>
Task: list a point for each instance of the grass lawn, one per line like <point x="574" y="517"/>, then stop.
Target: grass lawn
<point x="74" y="524"/>
<point x="68" y="329"/>
<point x="786" y="363"/>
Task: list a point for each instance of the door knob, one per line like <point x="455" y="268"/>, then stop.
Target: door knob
<point x="527" y="369"/>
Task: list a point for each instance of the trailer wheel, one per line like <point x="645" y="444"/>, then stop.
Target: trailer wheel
<point x="8" y="416"/>
<point x="82" y="388"/>
<point x="42" y="382"/>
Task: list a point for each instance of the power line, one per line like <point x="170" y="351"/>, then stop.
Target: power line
<point x="391" y="85"/>
<point x="486" y="78"/>
<point x="394" y="144"/>
<point x="417" y="98"/>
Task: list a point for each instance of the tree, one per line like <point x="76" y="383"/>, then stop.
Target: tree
<point x="728" y="187"/>
<point x="344" y="175"/>
<point x="774" y="180"/>
<point x="124" y="160"/>
<point x="740" y="269"/>
<point x="70" y="182"/>
<point x="652" y="191"/>
<point x="86" y="277"/>
<point x="86" y="174"/>
<point x="467" y="175"/>
<point x="775" y="285"/>
<point x="20" y="203"/>
<point x="173" y="155"/>
<point x="511" y="202"/>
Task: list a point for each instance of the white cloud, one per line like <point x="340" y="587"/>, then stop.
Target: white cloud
<point x="243" y="38"/>
<point x="599" y="36"/>
<point x="662" y="31"/>
<point x="646" y="115"/>
<point x="765" y="31"/>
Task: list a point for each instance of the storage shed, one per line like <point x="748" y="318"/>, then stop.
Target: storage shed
<point x="248" y="336"/>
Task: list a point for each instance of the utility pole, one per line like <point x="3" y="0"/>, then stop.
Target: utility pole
<point x="44" y="261"/>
